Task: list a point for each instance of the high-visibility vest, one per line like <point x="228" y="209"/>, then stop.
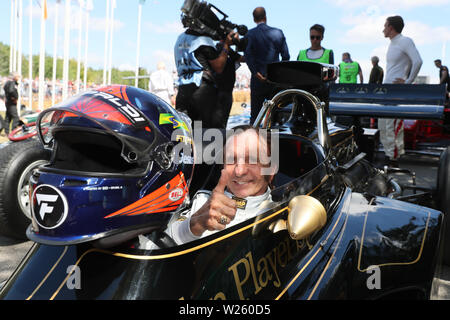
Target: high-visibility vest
<point x="325" y="58"/>
<point x="348" y="71"/>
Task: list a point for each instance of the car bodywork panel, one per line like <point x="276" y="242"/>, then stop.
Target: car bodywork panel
<point x="252" y="260"/>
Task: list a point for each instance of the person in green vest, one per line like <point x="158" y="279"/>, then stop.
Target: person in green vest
<point x="316" y="53"/>
<point x="349" y="70"/>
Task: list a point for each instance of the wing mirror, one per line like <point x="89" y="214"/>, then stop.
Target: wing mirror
<point x="306" y="215"/>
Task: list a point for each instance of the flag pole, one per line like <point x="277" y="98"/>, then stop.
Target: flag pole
<point x="111" y="33"/>
<point x="66" y="50"/>
<point x="14" y="62"/>
<point x="19" y="57"/>
<point x="105" y="55"/>
<point x="30" y="58"/>
<point x="88" y="9"/>
<point x="80" y="29"/>
<point x="11" y="37"/>
<point x="138" y="45"/>
<point x="55" y="49"/>
<point x="42" y="57"/>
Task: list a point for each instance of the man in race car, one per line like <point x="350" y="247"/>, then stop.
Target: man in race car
<point x="241" y="193"/>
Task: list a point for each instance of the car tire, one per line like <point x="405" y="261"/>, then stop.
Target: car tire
<point x="443" y="188"/>
<point x="17" y="161"/>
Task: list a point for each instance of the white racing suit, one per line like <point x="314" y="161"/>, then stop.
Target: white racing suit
<point x="180" y="231"/>
<point x="391" y="136"/>
<point x="403" y="62"/>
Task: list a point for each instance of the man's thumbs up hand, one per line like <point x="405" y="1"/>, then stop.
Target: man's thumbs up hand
<point x="217" y="212"/>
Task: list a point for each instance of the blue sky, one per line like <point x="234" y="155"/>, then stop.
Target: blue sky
<point x="353" y="26"/>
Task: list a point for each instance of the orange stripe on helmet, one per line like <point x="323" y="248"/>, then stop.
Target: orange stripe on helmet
<point x="162" y="206"/>
<point x="156" y="199"/>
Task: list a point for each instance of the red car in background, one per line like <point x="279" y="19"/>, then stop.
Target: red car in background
<point x="423" y="133"/>
<point x="430" y="136"/>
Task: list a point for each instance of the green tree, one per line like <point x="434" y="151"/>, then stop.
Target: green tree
<point x="4" y="59"/>
<point x="93" y="75"/>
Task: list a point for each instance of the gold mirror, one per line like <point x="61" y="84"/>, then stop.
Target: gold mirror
<point x="306" y="215"/>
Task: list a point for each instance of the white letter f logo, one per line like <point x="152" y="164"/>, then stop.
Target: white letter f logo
<point x="44" y="208"/>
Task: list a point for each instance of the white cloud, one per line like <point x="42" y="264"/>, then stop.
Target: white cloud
<point x="423" y="34"/>
<point x="169" y="27"/>
<point x="151" y="59"/>
<point x="368" y="28"/>
<point x="165" y="56"/>
<point x="99" y="24"/>
<point x="367" y="18"/>
<point x="126" y="67"/>
<point x="96" y="24"/>
<point x="387" y="4"/>
<point x="365" y="30"/>
<point x="95" y="59"/>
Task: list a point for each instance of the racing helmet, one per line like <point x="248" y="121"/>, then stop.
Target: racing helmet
<point x="117" y="169"/>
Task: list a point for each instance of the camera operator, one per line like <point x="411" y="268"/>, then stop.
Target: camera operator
<point x="198" y="61"/>
<point x="225" y="83"/>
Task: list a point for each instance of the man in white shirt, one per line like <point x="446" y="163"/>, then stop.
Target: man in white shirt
<point x="403" y="65"/>
<point x="161" y="84"/>
<point x="241" y="193"/>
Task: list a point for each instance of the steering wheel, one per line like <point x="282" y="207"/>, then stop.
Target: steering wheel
<point x="23" y="132"/>
<point x="296" y="113"/>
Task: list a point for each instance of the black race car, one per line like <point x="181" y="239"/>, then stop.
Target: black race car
<point x="334" y="229"/>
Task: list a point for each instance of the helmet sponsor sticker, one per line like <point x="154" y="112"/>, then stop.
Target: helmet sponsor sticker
<point x="176" y="194"/>
<point x="49" y="207"/>
<point x="183" y="139"/>
<point x="132" y="113"/>
<point x="103" y="188"/>
<point x="168" y="118"/>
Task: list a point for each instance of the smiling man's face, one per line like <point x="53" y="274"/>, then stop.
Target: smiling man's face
<point x="243" y="164"/>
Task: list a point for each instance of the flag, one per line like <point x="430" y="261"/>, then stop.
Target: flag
<point x="44" y="5"/>
<point x="45" y="10"/>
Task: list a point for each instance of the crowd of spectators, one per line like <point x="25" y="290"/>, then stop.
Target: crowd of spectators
<point x="242" y="83"/>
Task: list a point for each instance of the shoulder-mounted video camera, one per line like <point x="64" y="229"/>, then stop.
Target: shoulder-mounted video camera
<point x="202" y="17"/>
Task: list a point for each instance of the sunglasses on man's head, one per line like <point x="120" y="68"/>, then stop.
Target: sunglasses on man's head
<point x="316" y="37"/>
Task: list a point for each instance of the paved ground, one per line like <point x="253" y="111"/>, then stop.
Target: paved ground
<point x="11" y="253"/>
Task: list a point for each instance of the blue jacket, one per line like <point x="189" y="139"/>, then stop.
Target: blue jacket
<point x="265" y="45"/>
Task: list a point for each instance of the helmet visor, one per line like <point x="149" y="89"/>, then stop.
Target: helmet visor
<point x="137" y="135"/>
